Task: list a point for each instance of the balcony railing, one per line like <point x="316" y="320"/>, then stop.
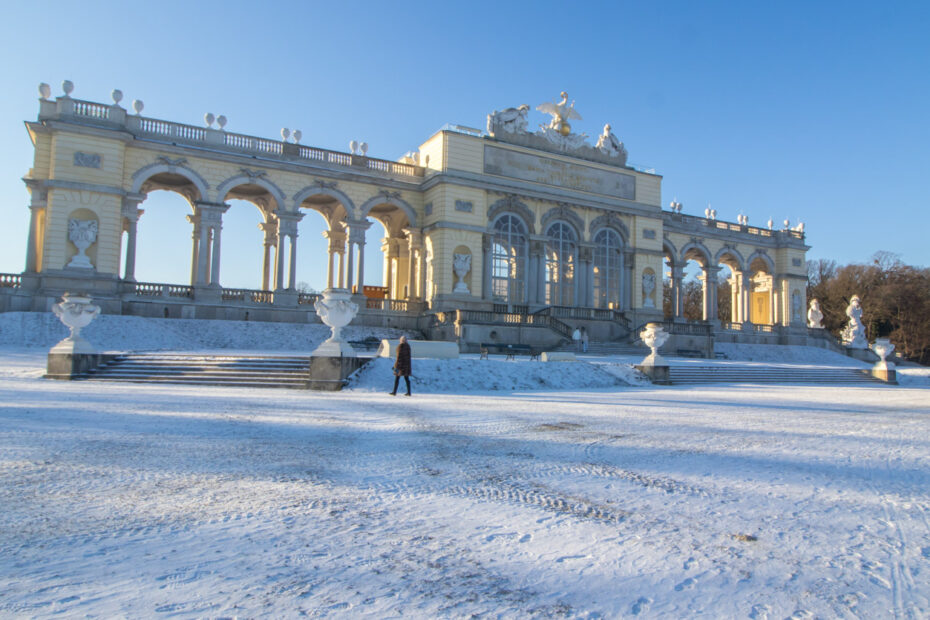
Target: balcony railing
<point x="218" y="138"/>
<point x="248" y="295"/>
<point x="155" y="289"/>
<point x="678" y="220"/>
<point x="11" y="280"/>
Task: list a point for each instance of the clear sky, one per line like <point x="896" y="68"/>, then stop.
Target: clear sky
<point x="818" y="111"/>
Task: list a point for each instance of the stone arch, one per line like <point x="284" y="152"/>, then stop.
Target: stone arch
<point x="609" y="220"/>
<point x="244" y="179"/>
<point x="764" y="257"/>
<point x="566" y="215"/>
<point x="697" y="251"/>
<point x="178" y="168"/>
<point x="332" y="192"/>
<point x="733" y="252"/>
<point x="388" y="198"/>
<point x="669" y="248"/>
<point x="511" y="204"/>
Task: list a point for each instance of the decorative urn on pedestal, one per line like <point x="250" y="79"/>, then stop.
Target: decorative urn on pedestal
<point x="76" y="311"/>
<point x="461" y="265"/>
<point x="883" y="369"/>
<point x="336" y="309"/>
<point x="654" y="365"/>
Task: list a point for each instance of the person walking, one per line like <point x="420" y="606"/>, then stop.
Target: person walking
<point x="402" y="365"/>
<point x="584" y="340"/>
<point x="576" y="339"/>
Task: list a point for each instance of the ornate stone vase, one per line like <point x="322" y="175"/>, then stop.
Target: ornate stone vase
<point x="883" y="348"/>
<point x="461" y="265"/>
<point x="654" y="336"/>
<point x="83" y="234"/>
<point x="336" y="309"/>
<point x="76" y="311"/>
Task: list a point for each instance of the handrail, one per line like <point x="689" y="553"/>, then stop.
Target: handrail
<point x="159" y="289"/>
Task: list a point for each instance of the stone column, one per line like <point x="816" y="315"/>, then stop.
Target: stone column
<point x="678" y="301"/>
<point x="195" y="247"/>
<point x="541" y="272"/>
<point x="215" y="248"/>
<point x="628" y="281"/>
<point x="287" y="229"/>
<point x="337" y="244"/>
<point x="773" y="301"/>
<point x="746" y="297"/>
<point x="414" y="240"/>
<point x="270" y="228"/>
<point x="36" y="209"/>
<point x="621" y="285"/>
<point x="131" y="213"/>
<point x="710" y="293"/>
<point x="211" y="223"/>
<point x="734" y="298"/>
<point x="486" y="266"/>
<point x="357" y="229"/>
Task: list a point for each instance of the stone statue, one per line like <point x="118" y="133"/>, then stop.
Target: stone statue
<point x="83" y="234"/>
<point x="649" y="285"/>
<point x="609" y="145"/>
<point x="560" y="113"/>
<point x="814" y="315"/>
<point x="508" y="120"/>
<point x="854" y="332"/>
<point x="461" y="265"/>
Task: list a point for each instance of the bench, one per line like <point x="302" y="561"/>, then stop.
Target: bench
<point x="690" y="353"/>
<point x="510" y="350"/>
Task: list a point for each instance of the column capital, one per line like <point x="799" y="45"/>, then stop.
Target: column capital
<point x="414" y="237"/>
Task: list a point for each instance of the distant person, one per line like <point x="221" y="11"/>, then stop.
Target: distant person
<point x="584" y="340"/>
<point x="576" y="339"/>
<point x="402" y="365"/>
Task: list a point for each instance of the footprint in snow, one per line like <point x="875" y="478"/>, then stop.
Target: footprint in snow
<point x="641" y="605"/>
<point x="687" y="584"/>
<point x="570" y="557"/>
<point x="526" y="538"/>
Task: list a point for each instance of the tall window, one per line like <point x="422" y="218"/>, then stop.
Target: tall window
<point x="607" y="271"/>
<point x="508" y="259"/>
<point x="561" y="248"/>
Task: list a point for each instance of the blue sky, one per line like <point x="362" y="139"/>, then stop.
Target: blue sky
<point x="812" y="111"/>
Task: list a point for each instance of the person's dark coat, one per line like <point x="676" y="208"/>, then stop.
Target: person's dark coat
<point x="402" y="365"/>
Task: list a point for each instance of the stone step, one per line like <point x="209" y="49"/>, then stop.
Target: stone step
<point x="755" y="374"/>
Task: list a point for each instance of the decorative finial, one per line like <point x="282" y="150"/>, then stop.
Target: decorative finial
<point x="45" y="91"/>
<point x="787" y="224"/>
<point x="363" y="147"/>
<point x="285" y="133"/>
<point x="208" y="118"/>
<point x="353" y="147"/>
<point x="117" y="95"/>
<point x="138" y="106"/>
<point x="68" y="87"/>
<point x="221" y="121"/>
<point x="297" y="135"/>
<point x="771" y="223"/>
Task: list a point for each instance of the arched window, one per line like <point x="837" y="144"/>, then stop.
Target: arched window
<point x="561" y="248"/>
<point x="607" y="268"/>
<point x="508" y="259"/>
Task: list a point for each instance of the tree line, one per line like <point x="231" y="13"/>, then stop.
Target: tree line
<point x="895" y="300"/>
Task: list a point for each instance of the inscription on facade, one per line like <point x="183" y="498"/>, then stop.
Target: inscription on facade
<point x="464" y="205"/>
<point x="535" y="169"/>
<point x="87" y="160"/>
<point x="796" y="262"/>
<point x="428" y="208"/>
<point x="649" y="233"/>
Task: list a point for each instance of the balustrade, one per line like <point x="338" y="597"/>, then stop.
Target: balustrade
<point x="10" y="280"/>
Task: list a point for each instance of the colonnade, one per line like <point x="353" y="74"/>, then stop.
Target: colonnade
<point x="345" y="260"/>
<point x="741" y="288"/>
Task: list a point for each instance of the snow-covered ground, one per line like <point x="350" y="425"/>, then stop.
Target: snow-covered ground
<point x="547" y="497"/>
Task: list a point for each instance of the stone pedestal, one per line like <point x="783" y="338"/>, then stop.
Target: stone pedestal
<point x="886" y="372"/>
<point x="330" y="373"/>
<point x="68" y="366"/>
<point x="659" y="375"/>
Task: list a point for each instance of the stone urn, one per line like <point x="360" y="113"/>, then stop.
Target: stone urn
<point x="336" y="309"/>
<point x="461" y="265"/>
<point x="76" y="311"/>
<point x="883" y="348"/>
<point x="654" y="365"/>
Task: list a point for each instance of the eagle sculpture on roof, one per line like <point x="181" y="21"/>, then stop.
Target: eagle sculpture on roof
<point x="560" y="112"/>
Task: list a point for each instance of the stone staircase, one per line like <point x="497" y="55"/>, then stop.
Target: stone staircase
<point x="232" y="370"/>
<point x="681" y="375"/>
